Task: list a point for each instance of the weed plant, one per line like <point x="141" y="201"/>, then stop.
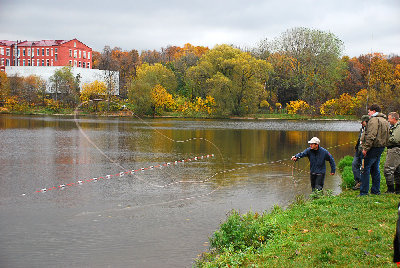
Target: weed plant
<point x="320" y="231"/>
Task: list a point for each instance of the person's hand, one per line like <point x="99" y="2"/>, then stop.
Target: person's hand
<point x="294" y="158"/>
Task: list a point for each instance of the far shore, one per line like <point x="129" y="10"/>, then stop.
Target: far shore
<point x="272" y="116"/>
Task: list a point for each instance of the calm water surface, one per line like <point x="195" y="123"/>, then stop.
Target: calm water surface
<point x="161" y="217"/>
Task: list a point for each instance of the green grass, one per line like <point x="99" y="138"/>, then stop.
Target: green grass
<point x="322" y="231"/>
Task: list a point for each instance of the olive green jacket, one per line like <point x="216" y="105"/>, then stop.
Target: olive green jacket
<point x="394" y="135"/>
<point x="376" y="133"/>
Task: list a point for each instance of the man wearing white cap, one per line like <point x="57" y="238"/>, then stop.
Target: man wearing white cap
<point x="317" y="156"/>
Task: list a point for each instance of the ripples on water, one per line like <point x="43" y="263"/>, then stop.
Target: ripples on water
<point x="127" y="222"/>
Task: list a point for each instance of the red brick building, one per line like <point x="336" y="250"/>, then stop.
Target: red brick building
<point x="45" y="53"/>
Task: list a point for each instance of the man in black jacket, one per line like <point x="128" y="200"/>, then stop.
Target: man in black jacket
<point x="358" y="156"/>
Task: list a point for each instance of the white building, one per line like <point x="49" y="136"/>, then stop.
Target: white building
<point x="86" y="75"/>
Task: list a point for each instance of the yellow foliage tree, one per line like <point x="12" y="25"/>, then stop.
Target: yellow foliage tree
<point x="4" y="86"/>
<point x="161" y="99"/>
<point x="94" y="90"/>
<point x="298" y="107"/>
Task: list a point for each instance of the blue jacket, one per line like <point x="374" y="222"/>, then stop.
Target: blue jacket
<point x="317" y="159"/>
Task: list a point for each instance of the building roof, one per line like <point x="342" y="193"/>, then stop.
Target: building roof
<point x="7" y="42"/>
<point x="41" y="43"/>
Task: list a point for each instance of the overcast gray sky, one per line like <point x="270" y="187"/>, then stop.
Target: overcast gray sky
<point x="363" y="25"/>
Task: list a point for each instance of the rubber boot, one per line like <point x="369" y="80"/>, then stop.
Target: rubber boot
<point x="390" y="189"/>
<point x="397" y="188"/>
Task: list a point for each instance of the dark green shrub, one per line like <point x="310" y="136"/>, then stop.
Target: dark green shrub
<point x="242" y="232"/>
<point x="345" y="161"/>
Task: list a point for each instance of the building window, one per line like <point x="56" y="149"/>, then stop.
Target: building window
<point x="70" y="63"/>
<point x="42" y="62"/>
<point x="80" y="54"/>
<point x="38" y="62"/>
<point x="33" y="52"/>
<point x="56" y="57"/>
<point x="1" y="50"/>
<point x="33" y="62"/>
<point x="19" y="52"/>
<point x="2" y="62"/>
<point x="75" y="63"/>
<point x="38" y="52"/>
<point x="7" y="52"/>
<point x="88" y="55"/>
<point x="79" y="64"/>
<point x="29" y="62"/>
<point x="47" y="52"/>
<point x="29" y="52"/>
<point x="23" y="52"/>
<point x="84" y="54"/>
<point x="19" y="63"/>
<point x="83" y="64"/>
<point x="52" y="52"/>
<point x="51" y="62"/>
<point x="75" y="54"/>
<point x="88" y="65"/>
<point x="42" y="51"/>
<point x="70" y="52"/>
<point x="74" y="44"/>
<point x="56" y="50"/>
<point x="23" y="62"/>
<point x="7" y="62"/>
<point x="47" y="62"/>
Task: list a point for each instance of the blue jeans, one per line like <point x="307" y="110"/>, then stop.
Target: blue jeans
<point x="371" y="167"/>
<point x="356" y="165"/>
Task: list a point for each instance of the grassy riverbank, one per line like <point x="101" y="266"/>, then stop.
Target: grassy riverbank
<point x="322" y="231"/>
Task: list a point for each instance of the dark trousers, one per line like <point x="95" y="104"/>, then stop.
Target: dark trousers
<point x="317" y="181"/>
<point x="356" y="165"/>
<point x="371" y="167"/>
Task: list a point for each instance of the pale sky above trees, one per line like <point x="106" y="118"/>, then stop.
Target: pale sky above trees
<point x="363" y="25"/>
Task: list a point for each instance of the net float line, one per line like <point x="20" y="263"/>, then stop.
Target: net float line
<point x="128" y="172"/>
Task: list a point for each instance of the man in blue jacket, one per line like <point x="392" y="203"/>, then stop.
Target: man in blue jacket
<point x="317" y="156"/>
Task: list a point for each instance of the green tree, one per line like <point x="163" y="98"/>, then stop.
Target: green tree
<point x="234" y="78"/>
<point x="318" y="53"/>
<point x="147" y="77"/>
<point x="65" y="86"/>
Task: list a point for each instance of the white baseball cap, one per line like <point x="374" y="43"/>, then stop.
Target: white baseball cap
<point x="314" y="140"/>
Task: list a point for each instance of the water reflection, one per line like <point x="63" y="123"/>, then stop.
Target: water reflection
<point x="127" y="221"/>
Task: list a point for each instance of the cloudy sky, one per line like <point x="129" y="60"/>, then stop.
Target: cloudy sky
<point x="363" y="25"/>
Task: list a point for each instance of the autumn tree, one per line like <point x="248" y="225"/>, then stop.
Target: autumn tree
<point x="161" y="100"/>
<point x="33" y="89"/>
<point x="318" y="54"/>
<point x="4" y="86"/>
<point x="96" y="57"/>
<point x="148" y="76"/>
<point x="127" y="63"/>
<point x="234" y="78"/>
<point x="95" y="90"/>
<point x="284" y="83"/>
<point x="150" y="56"/>
<point x="353" y="80"/>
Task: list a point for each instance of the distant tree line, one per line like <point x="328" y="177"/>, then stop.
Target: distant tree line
<point x="300" y="71"/>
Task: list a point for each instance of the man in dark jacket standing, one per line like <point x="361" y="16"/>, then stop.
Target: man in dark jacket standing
<point x="373" y="142"/>
<point x="358" y="156"/>
<point x="317" y="156"/>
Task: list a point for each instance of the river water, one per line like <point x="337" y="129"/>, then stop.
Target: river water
<point x="156" y="217"/>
